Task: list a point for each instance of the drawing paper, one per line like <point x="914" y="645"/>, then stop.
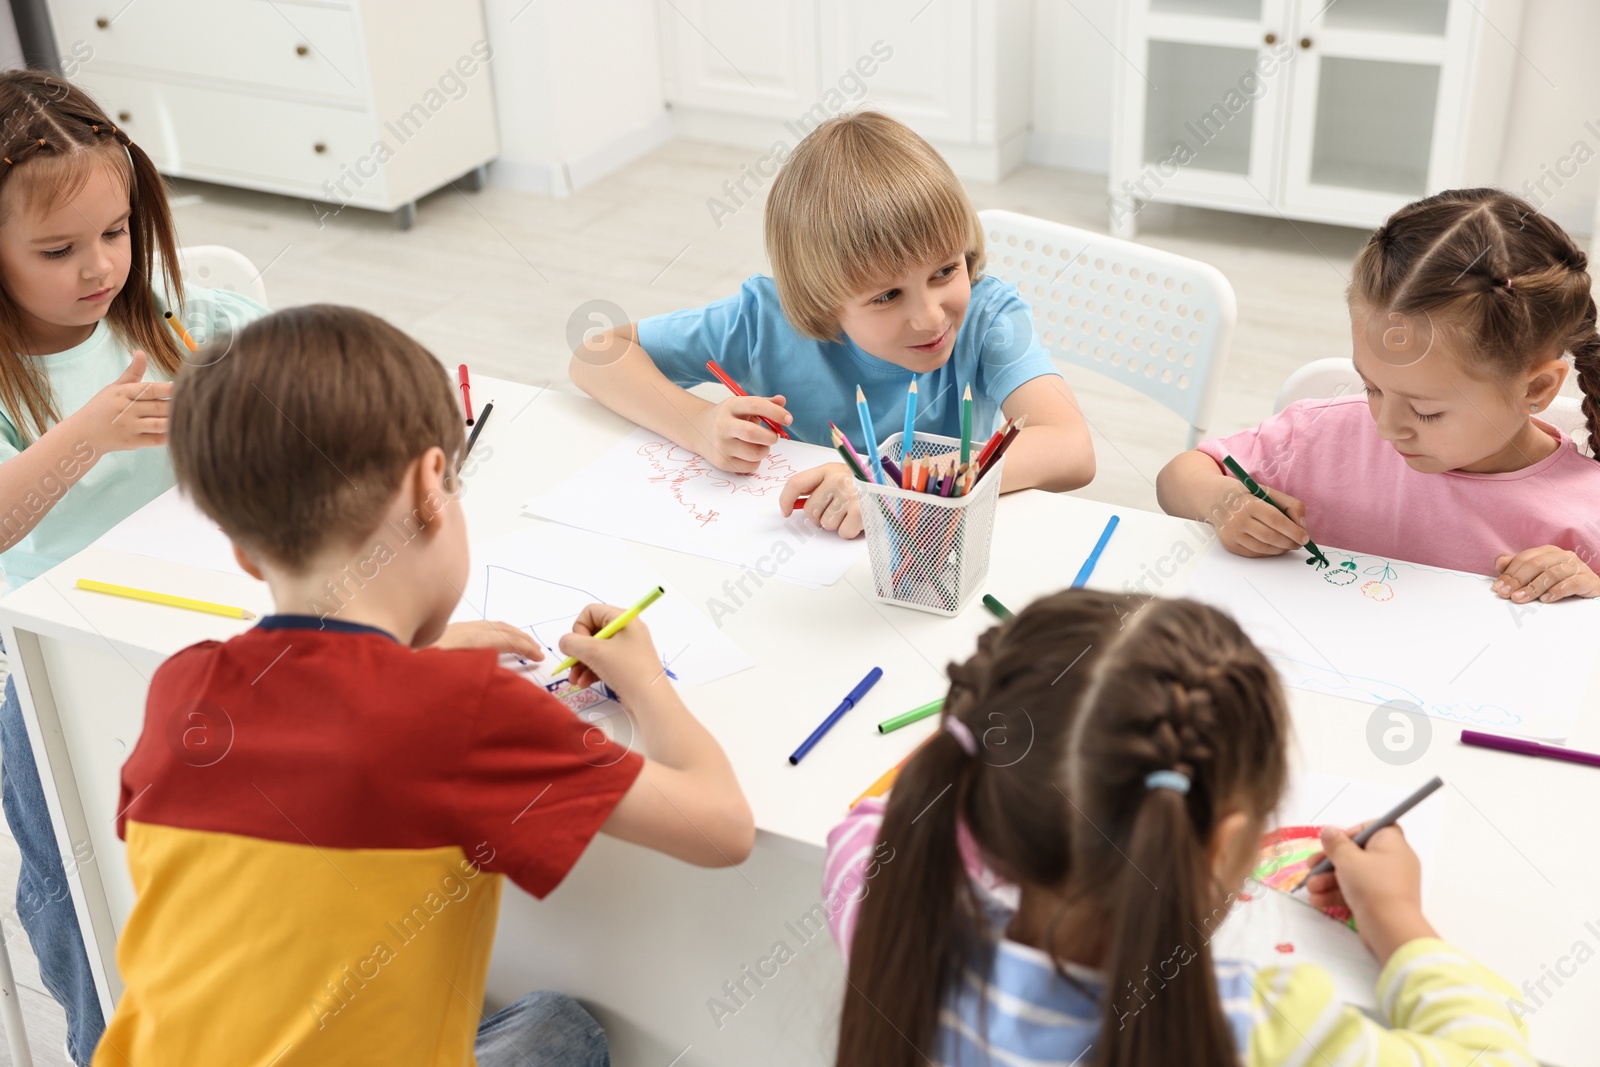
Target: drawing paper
<point x="170" y="527"/>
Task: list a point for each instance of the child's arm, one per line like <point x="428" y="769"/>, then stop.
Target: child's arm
<point x="615" y="370"/>
<point x="1193" y="486"/>
<point x="1546" y="573"/>
<point x="1054" y="451"/>
<point x="129" y="413"/>
<point x="686" y="801"/>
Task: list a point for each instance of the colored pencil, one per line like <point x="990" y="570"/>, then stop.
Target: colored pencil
<point x="921" y="484"/>
<point x="615" y="624"/>
<point x="845" y="449"/>
<point x="906" y="718"/>
<point x="1261" y="494"/>
<point x="1000" y="449"/>
<point x="966" y="425"/>
<point x="472" y="438"/>
<point x="850" y="701"/>
<point x="884" y="783"/>
<point x="908" y="437"/>
<point x="183" y="335"/>
<point x="92" y="586"/>
<point x="997" y="609"/>
<point x="994" y="442"/>
<point x="733" y="387"/>
<point x="869" y="437"/>
<point x="1529" y="748"/>
<point x="892" y="472"/>
<point x="1094" y="556"/>
<point x="1387" y="819"/>
<point x="466" y="391"/>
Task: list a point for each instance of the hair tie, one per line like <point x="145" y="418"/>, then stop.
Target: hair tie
<point x="962" y="733"/>
<point x="1176" y="781"/>
<point x="1508" y="283"/>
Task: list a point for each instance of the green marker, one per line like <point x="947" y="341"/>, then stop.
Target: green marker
<point x="1317" y="559"/>
<point x="932" y="707"/>
<point x="997" y="609"/>
<point x="614" y="625"/>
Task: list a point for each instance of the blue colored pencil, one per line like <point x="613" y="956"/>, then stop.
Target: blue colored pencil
<point x="849" y="702"/>
<point x="911" y="424"/>
<point x="1094" y="557"/>
<point x="871" y="438"/>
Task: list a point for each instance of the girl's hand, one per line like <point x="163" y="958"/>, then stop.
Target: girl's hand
<point x="734" y="438"/>
<point x="1256" y="528"/>
<point x="627" y="661"/>
<point x="1546" y="573"/>
<point x="500" y="636"/>
<point x="1381" y="884"/>
<point x="127" y="414"/>
<point x="832" y="503"/>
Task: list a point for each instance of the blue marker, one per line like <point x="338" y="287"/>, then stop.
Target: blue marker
<point x="838" y="713"/>
<point x="1094" y="557"/>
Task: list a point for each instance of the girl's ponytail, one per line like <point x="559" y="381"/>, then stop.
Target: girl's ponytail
<point x="1585" y="348"/>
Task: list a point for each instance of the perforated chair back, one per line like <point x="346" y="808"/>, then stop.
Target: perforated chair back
<point x="1158" y="322"/>
<point x="220" y="267"/>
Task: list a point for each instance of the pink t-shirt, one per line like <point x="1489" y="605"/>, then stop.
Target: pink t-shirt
<point x="1361" y="496"/>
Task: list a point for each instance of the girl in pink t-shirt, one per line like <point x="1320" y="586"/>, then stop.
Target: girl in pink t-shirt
<point x="1464" y="308"/>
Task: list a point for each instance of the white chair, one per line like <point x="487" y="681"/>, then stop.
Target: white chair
<point x="1338" y="377"/>
<point x="1158" y="322"/>
<point x="220" y="267"/>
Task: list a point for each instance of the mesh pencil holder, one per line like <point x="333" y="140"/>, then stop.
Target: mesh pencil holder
<point x="928" y="552"/>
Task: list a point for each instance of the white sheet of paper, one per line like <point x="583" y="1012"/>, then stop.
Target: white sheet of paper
<point x="1274" y="929"/>
<point x="540" y="578"/>
<point x="649" y="490"/>
<point x="170" y="527"/>
<point x="1377" y="630"/>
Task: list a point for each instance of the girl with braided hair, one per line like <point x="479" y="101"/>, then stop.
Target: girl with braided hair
<point x="1465" y="309"/>
<point x="86" y="368"/>
<point x="1116" y="760"/>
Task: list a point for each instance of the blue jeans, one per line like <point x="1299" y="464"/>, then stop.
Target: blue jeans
<point x="542" y="1030"/>
<point x="44" y="901"/>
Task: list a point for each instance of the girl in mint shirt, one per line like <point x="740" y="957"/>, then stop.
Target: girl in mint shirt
<point x="86" y="369"/>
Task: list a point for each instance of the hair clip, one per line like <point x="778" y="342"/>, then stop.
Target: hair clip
<point x="1508" y="283"/>
<point x="962" y="733"/>
<point x="1176" y="781"/>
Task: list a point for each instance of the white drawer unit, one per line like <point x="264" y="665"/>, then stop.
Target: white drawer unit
<point x="356" y="103"/>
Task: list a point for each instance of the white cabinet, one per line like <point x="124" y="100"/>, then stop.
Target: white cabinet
<point x="362" y="103"/>
<point x="1335" y="113"/>
<point x="958" y="72"/>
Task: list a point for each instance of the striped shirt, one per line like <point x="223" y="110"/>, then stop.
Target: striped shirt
<point x="1443" y="1008"/>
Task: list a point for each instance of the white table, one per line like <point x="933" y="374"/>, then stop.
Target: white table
<point x="647" y="942"/>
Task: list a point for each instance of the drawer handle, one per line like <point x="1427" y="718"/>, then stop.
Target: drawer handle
<point x="1272" y="38"/>
<point x="1305" y="42"/>
<point x="301" y="50"/>
<point x="319" y="148"/>
<point x="104" y="24"/>
<point x="124" y="117"/>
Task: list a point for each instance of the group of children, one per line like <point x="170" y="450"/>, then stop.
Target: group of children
<point x="327" y="892"/>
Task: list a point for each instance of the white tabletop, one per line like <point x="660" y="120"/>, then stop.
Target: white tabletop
<point x="1510" y="880"/>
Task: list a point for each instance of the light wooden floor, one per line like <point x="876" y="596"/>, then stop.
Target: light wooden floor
<point x="492" y="278"/>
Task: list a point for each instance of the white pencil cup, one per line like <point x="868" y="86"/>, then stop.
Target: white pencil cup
<point x="928" y="552"/>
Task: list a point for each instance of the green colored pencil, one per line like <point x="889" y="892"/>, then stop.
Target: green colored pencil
<point x="999" y="610"/>
<point x="1261" y="494"/>
<point x="842" y="446"/>
<point x="966" y="425"/>
<point x="889" y="726"/>
<point x="615" y="624"/>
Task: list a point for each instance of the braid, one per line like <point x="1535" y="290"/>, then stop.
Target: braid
<point x="1585" y="348"/>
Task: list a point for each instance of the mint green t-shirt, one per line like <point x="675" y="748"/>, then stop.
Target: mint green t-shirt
<point x="121" y="482"/>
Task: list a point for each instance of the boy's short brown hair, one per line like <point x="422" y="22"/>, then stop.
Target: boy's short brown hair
<point x="861" y="199"/>
<point x="296" y="439"/>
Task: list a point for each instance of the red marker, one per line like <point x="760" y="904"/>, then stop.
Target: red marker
<point x="733" y="387"/>
<point x="466" y="391"/>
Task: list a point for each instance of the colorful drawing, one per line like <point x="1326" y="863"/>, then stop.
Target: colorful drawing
<point x="1343" y="574"/>
<point x="1285" y="860"/>
<point x="695" y="484"/>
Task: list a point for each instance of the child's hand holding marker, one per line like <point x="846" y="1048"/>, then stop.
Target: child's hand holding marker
<point x="1546" y="573"/>
<point x="1257" y="528"/>
<point x="735" y="437"/>
<point x="500" y="636"/>
<point x="831" y="500"/>
<point x="127" y="414"/>
<point x="627" y="661"/>
<point x="1381" y="884"/>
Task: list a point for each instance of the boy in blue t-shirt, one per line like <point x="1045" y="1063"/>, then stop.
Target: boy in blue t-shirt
<point x="876" y="261"/>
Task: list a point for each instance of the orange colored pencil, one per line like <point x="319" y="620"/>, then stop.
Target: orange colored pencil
<point x="882" y="785"/>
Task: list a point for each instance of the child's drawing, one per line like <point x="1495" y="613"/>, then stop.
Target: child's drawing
<point x="1343" y="574"/>
<point x="1285" y="861"/>
<point x="1378" y="589"/>
<point x="697" y="486"/>
<point x="1348" y="571"/>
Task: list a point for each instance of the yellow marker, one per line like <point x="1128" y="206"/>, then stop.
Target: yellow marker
<point x="183" y="335"/>
<point x="615" y="624"/>
<point x="164" y="598"/>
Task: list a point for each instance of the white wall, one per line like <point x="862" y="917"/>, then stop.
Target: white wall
<point x="1555" y="92"/>
<point x="578" y="88"/>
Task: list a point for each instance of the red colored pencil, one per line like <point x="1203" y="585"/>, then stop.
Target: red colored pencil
<point x="993" y="442"/>
<point x="1000" y="451"/>
<point x="733" y="387"/>
<point x="466" y="391"/>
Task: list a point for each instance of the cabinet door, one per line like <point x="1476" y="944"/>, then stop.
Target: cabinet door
<point x="927" y="79"/>
<point x="1200" y="88"/>
<point x="717" y="55"/>
<point x="1373" y="122"/>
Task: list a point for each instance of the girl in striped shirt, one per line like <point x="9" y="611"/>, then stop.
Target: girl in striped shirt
<point x="1062" y="850"/>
